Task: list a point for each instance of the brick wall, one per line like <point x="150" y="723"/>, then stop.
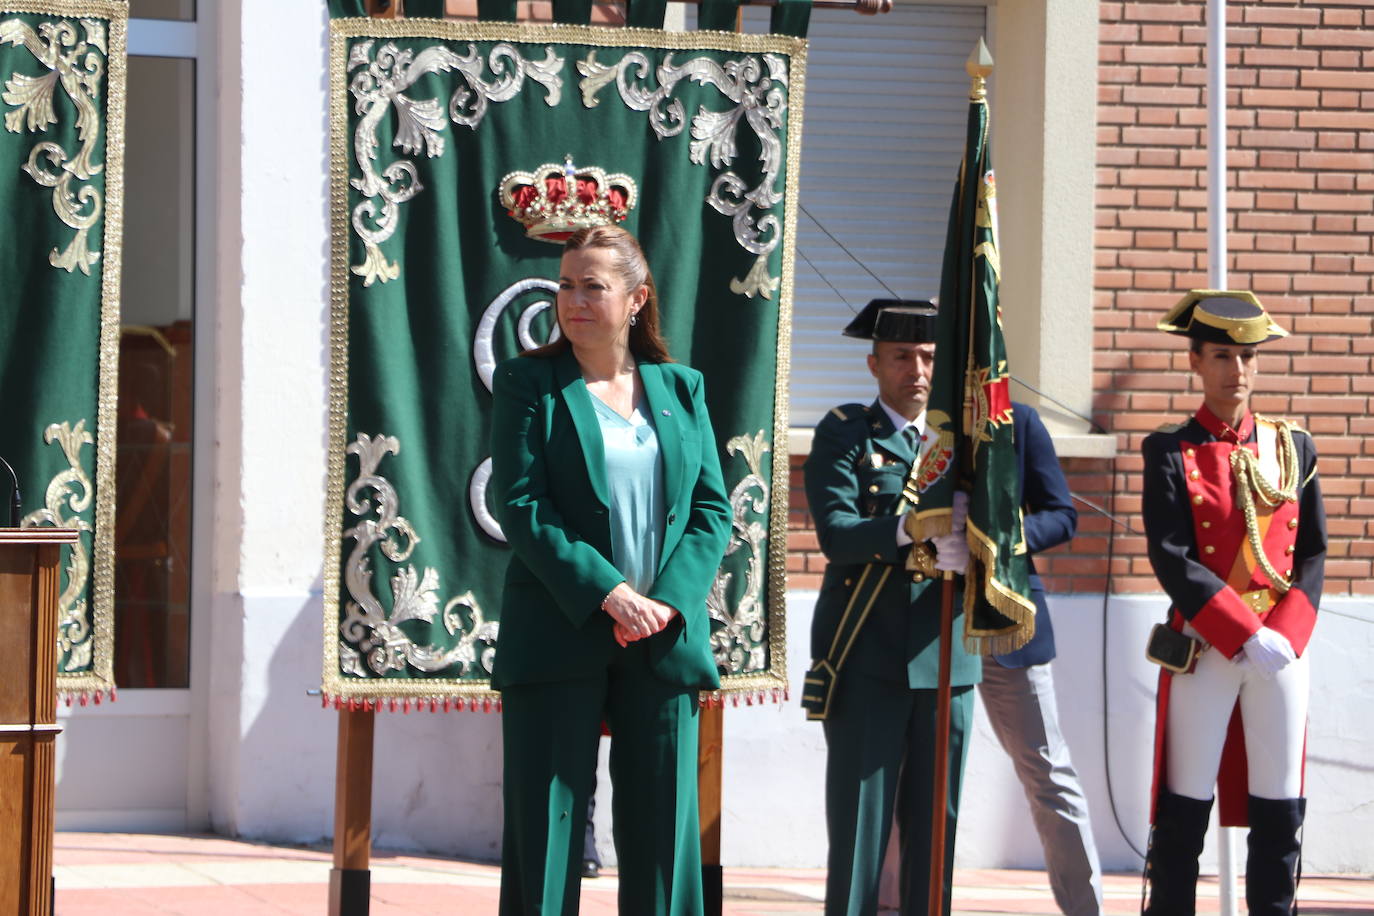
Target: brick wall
<point x="1301" y="138"/>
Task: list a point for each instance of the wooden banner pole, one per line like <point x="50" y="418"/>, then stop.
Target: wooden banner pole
<point x="940" y="791"/>
<point x="709" y="772"/>
<point x="350" y="880"/>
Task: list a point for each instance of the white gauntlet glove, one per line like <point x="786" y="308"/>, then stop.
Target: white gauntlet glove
<point x="952" y="548"/>
<point x="959" y="514"/>
<point x="1269" y="651"/>
<point x="951" y="553"/>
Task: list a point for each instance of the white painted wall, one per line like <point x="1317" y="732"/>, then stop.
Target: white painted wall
<point x="437" y="785"/>
<point x="774" y="760"/>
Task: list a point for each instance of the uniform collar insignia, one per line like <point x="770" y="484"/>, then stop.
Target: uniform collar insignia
<point x="1222" y="431"/>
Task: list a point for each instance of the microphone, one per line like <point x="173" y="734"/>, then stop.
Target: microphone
<point x="16" y="501"/>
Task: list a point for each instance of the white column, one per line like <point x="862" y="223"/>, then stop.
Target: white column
<point x="1043" y="95"/>
<point x="271" y="748"/>
<point x="1216" y="278"/>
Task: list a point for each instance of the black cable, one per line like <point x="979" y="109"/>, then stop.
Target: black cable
<point x="1096" y="427"/>
<point x="851" y="254"/>
<point x="1106" y="693"/>
<point x="1120" y="523"/>
<point x="16" y="501"/>
<point x="801" y="254"/>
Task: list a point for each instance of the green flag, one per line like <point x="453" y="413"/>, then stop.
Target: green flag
<point x="62" y="68"/>
<point x="457" y="149"/>
<point x="970" y="405"/>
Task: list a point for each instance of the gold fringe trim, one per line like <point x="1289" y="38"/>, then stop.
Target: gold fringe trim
<point x="930" y="523"/>
<point x="1006" y="602"/>
<point x="595" y="35"/>
<point x="113" y="10"/>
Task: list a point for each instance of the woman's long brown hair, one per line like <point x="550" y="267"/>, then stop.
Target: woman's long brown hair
<point x="646" y="340"/>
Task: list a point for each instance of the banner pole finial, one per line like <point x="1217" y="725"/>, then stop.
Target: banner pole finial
<point x="979" y="66"/>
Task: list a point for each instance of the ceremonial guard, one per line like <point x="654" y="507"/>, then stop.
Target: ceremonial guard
<point x="1237" y="538"/>
<point x="875" y="635"/>
<point x="1018" y="687"/>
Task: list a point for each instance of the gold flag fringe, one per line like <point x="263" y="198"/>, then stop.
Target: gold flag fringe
<point x="1006" y="602"/>
<point x="930" y="523"/>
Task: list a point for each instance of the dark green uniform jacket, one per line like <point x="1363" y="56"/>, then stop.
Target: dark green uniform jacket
<point x="854" y="477"/>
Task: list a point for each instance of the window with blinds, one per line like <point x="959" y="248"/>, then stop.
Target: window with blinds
<point x="883" y="134"/>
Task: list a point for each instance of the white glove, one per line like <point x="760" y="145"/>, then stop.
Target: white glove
<point x="1269" y="651"/>
<point x="951" y="552"/>
<point x="959" y="515"/>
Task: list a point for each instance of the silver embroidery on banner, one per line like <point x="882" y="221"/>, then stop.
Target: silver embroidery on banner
<point x="739" y="644"/>
<point x="380" y="641"/>
<point x="77" y="65"/>
<point x="757" y="84"/>
<point x="484" y="360"/>
<point x="70" y="489"/>
<point x="380" y="86"/>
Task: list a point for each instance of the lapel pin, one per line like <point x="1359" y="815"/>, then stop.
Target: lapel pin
<point x="667" y="412"/>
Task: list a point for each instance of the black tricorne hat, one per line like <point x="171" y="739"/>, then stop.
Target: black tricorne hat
<point x="895" y="320"/>
<point x="1223" y="317"/>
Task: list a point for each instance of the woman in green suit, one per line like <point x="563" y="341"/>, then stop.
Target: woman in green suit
<point x="609" y="491"/>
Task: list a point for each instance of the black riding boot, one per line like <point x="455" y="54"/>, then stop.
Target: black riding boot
<point x="1175" y="844"/>
<point x="1271" y="868"/>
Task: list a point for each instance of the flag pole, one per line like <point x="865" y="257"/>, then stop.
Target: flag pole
<point x="1217" y="279"/>
<point x="940" y="796"/>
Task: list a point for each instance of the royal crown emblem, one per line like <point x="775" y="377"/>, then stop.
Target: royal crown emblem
<point x="554" y="201"/>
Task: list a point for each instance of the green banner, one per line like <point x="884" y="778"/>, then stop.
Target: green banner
<point x="62" y="65"/>
<point x="460" y="151"/>
<point x="970" y="407"/>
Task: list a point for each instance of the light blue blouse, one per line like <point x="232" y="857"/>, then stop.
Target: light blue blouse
<point x="634" y="471"/>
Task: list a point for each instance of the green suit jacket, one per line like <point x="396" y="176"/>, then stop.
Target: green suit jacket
<point x="854" y="477"/>
<point x="551" y="495"/>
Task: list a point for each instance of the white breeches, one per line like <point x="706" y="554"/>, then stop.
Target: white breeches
<point x="1274" y="713"/>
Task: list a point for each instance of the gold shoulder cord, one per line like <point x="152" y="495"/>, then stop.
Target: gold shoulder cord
<point x="1251" y="484"/>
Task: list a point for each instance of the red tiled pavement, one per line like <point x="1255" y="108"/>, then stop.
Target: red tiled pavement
<point x="133" y="875"/>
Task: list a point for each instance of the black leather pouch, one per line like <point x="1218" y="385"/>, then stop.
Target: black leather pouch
<point x="1172" y="650"/>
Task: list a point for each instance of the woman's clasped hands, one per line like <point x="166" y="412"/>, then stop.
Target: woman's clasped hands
<point x="636" y="617"/>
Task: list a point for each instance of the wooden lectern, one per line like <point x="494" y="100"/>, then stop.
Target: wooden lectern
<point x="30" y="583"/>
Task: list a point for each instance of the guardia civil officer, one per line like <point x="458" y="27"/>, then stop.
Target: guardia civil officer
<point x="1237" y="538"/>
<point x="875" y="635"/>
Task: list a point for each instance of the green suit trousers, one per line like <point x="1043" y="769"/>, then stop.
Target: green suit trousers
<point x="551" y="732"/>
<point x="880" y="759"/>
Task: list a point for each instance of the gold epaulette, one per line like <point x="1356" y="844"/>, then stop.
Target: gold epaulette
<point x="1171" y="427"/>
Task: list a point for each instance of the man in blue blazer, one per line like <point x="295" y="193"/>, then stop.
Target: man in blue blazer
<point x="1018" y="688"/>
